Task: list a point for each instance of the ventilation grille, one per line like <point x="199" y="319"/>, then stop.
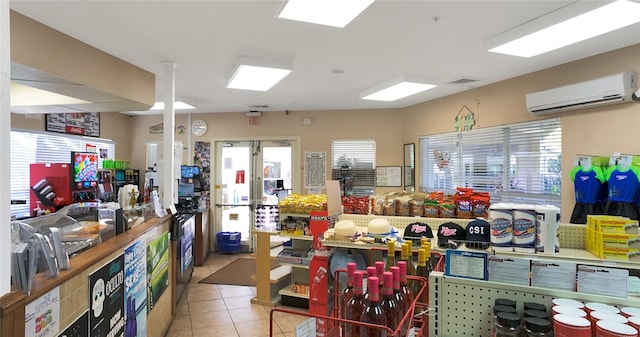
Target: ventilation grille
<point x="464" y="80"/>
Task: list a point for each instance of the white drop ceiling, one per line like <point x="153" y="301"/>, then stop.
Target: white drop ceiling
<point x="441" y="41"/>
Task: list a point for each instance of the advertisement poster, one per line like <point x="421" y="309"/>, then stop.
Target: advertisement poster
<point x="135" y="289"/>
<point x="106" y="288"/>
<point x="42" y="316"/>
<point x="157" y="269"/>
<point x="79" y="328"/>
<point x="76" y="123"/>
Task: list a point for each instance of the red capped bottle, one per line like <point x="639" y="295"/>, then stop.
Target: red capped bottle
<point x="403" y="304"/>
<point x="373" y="312"/>
<point x="388" y="302"/>
<point x="353" y="309"/>
<point x="347" y="292"/>
<point x="371" y="271"/>
<point x="379" y="270"/>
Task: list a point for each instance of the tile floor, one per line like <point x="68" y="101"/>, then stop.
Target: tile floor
<point x="213" y="310"/>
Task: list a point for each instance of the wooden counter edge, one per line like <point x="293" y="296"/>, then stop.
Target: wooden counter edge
<point x="92" y="256"/>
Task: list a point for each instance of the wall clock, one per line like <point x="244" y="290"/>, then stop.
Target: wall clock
<point x="199" y="127"/>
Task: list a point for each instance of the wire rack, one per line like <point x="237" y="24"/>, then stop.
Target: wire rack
<point x="330" y="325"/>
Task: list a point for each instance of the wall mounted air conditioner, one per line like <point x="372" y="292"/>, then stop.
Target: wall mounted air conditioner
<point x="611" y="89"/>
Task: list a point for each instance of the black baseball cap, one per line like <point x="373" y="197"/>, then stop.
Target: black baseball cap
<point x="478" y="234"/>
<point x="417" y="230"/>
<point x="450" y="235"/>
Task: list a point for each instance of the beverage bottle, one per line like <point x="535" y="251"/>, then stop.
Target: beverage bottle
<point x="371" y="271"/>
<point x="422" y="271"/>
<point x="347" y="292"/>
<point x="407" y="293"/>
<point x="403" y="304"/>
<point x="379" y="270"/>
<point x="353" y="308"/>
<point x="388" y="302"/>
<point x="372" y="312"/>
<point x="426" y="245"/>
<point x="411" y="270"/>
<point x="391" y="254"/>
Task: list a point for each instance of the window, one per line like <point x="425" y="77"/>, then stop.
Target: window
<point x="35" y="147"/>
<point x="356" y="158"/>
<point x="517" y="162"/>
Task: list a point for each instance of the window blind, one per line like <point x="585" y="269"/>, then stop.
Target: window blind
<point x="29" y="147"/>
<point x="514" y="163"/>
<point x="360" y="156"/>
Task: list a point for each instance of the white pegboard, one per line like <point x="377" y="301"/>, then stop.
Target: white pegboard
<point x="464" y="307"/>
<point x="572" y="236"/>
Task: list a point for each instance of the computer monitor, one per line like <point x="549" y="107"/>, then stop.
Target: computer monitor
<point x="185" y="190"/>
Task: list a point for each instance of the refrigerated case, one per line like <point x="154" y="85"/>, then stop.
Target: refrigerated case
<point x="182" y="243"/>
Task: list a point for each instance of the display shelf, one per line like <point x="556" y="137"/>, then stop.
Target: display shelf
<point x="295" y="265"/>
<point x="298" y="237"/>
<point x="463" y="307"/>
<point x="579" y="256"/>
<point x="295" y="215"/>
<point x="279" y="273"/>
<point x="286" y="292"/>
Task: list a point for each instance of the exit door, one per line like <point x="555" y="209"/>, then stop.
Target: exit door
<point x="251" y="176"/>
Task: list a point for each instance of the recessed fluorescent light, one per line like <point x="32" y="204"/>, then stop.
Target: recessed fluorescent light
<point x="176" y="106"/>
<point x="599" y="21"/>
<point x="334" y="13"/>
<point x="24" y="95"/>
<point x="395" y="90"/>
<point x="257" y="74"/>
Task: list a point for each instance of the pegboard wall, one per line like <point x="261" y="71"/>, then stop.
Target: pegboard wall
<point x="464" y="307"/>
<point x="570" y="235"/>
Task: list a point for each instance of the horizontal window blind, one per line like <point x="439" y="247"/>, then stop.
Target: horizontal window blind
<point x="29" y="147"/>
<point x="359" y="155"/>
<point x="515" y="163"/>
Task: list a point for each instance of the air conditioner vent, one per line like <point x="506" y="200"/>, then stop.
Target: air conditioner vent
<point x="464" y="80"/>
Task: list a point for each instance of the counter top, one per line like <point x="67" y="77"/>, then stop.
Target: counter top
<point x="91" y="256"/>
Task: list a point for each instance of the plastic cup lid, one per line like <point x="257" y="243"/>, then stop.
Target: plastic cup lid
<point x="607" y="316"/>
<point x="616" y="327"/>
<point x="572" y="311"/>
<point x="571" y="320"/>
<point x="630" y="311"/>
<point x="567" y="302"/>
<point x="596" y="306"/>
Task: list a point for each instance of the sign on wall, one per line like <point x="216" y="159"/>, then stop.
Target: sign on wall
<point x="135" y="289"/>
<point x="157" y="269"/>
<point x="106" y="288"/>
<point x="315" y="169"/>
<point x="75" y="123"/>
<point x="465" y="120"/>
<point x="42" y="316"/>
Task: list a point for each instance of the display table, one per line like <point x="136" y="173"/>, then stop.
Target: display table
<point x="73" y="284"/>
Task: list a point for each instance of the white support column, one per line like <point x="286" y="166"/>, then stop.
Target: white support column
<point x="5" y="154"/>
<point x="169" y="121"/>
<point x="189" y="142"/>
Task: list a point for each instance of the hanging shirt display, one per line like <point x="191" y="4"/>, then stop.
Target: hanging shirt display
<point x="624" y="187"/>
<point x="588" y="183"/>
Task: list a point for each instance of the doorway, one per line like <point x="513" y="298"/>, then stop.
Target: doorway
<point x="251" y="177"/>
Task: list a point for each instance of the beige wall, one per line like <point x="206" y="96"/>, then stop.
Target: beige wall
<point x="597" y="131"/>
<point x="385" y="126"/>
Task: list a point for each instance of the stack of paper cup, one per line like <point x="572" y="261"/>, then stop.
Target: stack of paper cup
<point x="571" y="326"/>
<point x="615" y="329"/>
<point x="547" y="222"/>
<point x="634" y="321"/>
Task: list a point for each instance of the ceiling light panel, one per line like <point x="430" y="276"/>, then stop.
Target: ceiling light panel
<point x="596" y="22"/>
<point x="334" y="13"/>
<point x="396" y="89"/>
<point x="178" y="105"/>
<point x="257" y="74"/>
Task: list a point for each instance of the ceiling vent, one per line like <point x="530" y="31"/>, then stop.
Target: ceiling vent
<point x="259" y="107"/>
<point x="464" y="80"/>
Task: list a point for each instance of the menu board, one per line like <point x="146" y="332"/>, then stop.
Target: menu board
<point x="75" y="123"/>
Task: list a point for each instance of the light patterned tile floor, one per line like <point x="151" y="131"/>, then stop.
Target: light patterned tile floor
<point x="210" y="310"/>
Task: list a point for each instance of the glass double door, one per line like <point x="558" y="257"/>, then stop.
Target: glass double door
<point x="251" y="176"/>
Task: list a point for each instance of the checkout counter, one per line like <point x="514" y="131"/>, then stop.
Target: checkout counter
<point x="94" y="291"/>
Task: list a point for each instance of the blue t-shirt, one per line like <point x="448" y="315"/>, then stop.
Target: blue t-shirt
<point x="587" y="183"/>
<point x="624" y="186"/>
